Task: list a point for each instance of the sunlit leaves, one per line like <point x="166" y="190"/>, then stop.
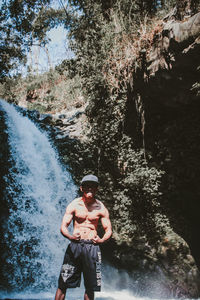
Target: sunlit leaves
<point x="22" y="22"/>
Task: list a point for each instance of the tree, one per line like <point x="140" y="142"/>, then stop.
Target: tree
<point x="23" y="23"/>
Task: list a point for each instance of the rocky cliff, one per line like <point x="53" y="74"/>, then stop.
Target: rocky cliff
<point x="162" y="117"/>
<point x="156" y="226"/>
<point x="147" y="148"/>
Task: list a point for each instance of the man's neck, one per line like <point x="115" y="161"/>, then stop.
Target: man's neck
<point x="88" y="201"/>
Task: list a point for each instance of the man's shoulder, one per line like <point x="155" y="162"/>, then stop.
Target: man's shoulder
<point x="76" y="201"/>
<point x="99" y="202"/>
<point x="74" y="204"/>
<point x="101" y="205"/>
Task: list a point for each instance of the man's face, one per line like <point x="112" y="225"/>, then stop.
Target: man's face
<point x="89" y="189"/>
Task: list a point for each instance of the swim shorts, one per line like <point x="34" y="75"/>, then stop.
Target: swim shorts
<point x="81" y="257"/>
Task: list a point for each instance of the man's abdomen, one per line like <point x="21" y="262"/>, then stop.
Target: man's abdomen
<point x="86" y="233"/>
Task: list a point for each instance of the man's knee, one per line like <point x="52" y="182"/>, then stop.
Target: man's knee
<point x="60" y="294"/>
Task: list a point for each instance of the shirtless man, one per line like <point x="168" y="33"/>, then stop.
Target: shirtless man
<point x="83" y="253"/>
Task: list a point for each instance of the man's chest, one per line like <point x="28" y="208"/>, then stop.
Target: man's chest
<point x="82" y="213"/>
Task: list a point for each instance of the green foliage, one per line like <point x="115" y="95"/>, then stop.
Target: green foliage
<point x="196" y="88"/>
<point x="49" y="92"/>
<point x="138" y="176"/>
<point x="196" y="85"/>
<point x="23" y="23"/>
<point x="38" y="106"/>
<point x="33" y="86"/>
<point x="108" y="40"/>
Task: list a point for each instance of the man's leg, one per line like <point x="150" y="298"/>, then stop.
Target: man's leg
<point x="89" y="295"/>
<point x="60" y="295"/>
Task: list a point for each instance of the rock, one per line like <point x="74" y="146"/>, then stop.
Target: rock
<point x="33" y="114"/>
<point x="62" y="116"/>
<point x="59" y="122"/>
<point x="46" y="118"/>
<point x="172" y="40"/>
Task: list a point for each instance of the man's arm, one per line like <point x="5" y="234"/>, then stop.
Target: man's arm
<point x="68" y="216"/>
<point x="106" y="224"/>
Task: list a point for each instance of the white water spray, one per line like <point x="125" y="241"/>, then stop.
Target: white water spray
<point x="37" y="190"/>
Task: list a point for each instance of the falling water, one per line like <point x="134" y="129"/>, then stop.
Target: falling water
<point x="37" y="192"/>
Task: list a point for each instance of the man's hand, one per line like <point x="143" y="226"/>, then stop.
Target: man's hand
<point x="97" y="240"/>
<point x="75" y="237"/>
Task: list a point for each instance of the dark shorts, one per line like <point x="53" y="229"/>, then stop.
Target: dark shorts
<point x="82" y="256"/>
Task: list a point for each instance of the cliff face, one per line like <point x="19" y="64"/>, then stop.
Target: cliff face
<point x="171" y="98"/>
<point x="148" y="161"/>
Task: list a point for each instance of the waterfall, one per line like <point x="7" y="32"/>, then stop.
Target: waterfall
<point x="38" y="190"/>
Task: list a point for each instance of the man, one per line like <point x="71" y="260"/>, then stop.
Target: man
<point x="83" y="253"/>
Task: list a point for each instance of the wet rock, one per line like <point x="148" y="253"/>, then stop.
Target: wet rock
<point x="62" y="116"/>
<point x="46" y="118"/>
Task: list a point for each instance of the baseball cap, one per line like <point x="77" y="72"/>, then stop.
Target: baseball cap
<point x="91" y="178"/>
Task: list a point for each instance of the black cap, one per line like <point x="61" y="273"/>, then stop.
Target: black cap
<point x="91" y="178"/>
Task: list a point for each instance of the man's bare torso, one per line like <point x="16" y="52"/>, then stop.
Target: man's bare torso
<point x="86" y="217"/>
